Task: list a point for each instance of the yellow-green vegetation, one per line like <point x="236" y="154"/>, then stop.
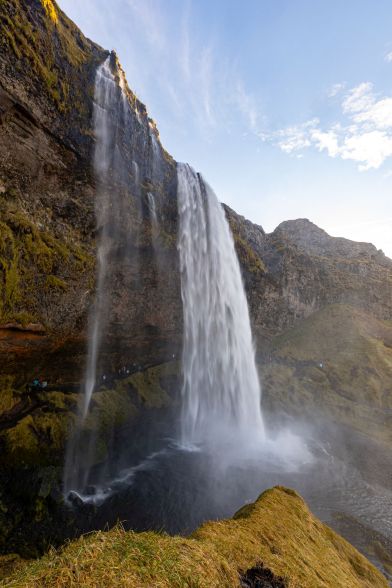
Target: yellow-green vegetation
<point x="247" y="256"/>
<point x="7" y="393"/>
<point x="118" y="405"/>
<point x="278" y="530"/>
<point x="27" y="253"/>
<point x="56" y="283"/>
<point x="25" y="32"/>
<point x="149" y="384"/>
<point x="337" y="361"/>
<point x="39" y="438"/>
<point x="115" y="406"/>
<point x="50" y="10"/>
<point x="34" y="437"/>
<point x="9" y="564"/>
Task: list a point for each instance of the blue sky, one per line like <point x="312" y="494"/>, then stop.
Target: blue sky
<point x="285" y="106"/>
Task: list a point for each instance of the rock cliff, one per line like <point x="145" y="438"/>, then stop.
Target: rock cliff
<point x="321" y="307"/>
<point x="48" y="230"/>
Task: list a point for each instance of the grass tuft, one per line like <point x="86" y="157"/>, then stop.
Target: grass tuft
<point x="278" y="530"/>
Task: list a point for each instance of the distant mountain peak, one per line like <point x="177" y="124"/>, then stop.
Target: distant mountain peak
<point x="306" y="235"/>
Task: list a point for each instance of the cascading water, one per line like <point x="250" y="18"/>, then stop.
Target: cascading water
<point x="221" y="390"/>
<point x="105" y="92"/>
<point x="109" y="119"/>
<point x="170" y="487"/>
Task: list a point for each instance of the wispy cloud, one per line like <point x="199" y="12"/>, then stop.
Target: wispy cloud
<point x="195" y="80"/>
<point x="145" y="13"/>
<point x="336" y="89"/>
<point x="388" y="57"/>
<point x="365" y="136"/>
<point x="247" y="105"/>
<point x="297" y="137"/>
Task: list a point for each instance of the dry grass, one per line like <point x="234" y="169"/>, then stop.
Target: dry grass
<point x="278" y="529"/>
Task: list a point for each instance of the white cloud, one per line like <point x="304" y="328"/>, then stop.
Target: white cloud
<point x="378" y="114"/>
<point x="364" y="137"/>
<point x="326" y="141"/>
<point x="336" y="89"/>
<point x="388" y="57"/>
<point x="371" y="149"/>
<point x="359" y="98"/>
<point x="296" y="137"/>
<point x="194" y="81"/>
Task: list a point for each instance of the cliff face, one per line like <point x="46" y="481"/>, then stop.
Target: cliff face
<point x="302" y="269"/>
<point x="47" y="194"/>
<point x="48" y="240"/>
<point x="48" y="237"/>
<point x="321" y="307"/>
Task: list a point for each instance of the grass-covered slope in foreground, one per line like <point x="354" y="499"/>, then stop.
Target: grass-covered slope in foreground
<point x="277" y="530"/>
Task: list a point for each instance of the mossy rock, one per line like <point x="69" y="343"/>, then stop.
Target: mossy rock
<point x="39" y="438"/>
<point x="335" y="363"/>
<point x="33" y="261"/>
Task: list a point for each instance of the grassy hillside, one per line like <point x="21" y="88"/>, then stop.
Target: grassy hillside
<point x="277" y="530"/>
<point x="337" y="362"/>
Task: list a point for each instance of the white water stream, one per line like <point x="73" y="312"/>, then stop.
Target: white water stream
<point x="221" y="390"/>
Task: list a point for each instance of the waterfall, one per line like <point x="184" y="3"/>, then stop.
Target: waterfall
<point x="109" y="122"/>
<point x="153" y="217"/>
<point x="105" y="96"/>
<point x="221" y="389"/>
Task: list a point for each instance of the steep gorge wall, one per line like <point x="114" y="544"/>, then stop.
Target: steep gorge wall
<point x="47" y="193"/>
<point x="48" y="229"/>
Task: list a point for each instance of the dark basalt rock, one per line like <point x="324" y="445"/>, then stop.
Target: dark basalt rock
<point x="261" y="577"/>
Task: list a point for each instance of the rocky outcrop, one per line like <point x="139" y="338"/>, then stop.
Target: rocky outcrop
<point x="300" y="269"/>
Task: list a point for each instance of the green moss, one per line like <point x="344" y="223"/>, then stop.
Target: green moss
<point x="110" y="409"/>
<point x="150" y="384"/>
<point x="50" y="10"/>
<point x="7" y="393"/>
<point x="38" y="439"/>
<point x="335" y="363"/>
<point x="31" y="41"/>
<point x="22" y="318"/>
<point x="26" y="253"/>
<point x="38" y="252"/>
<point x="249" y="259"/>
<point x="56" y="283"/>
<point x="12" y="43"/>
